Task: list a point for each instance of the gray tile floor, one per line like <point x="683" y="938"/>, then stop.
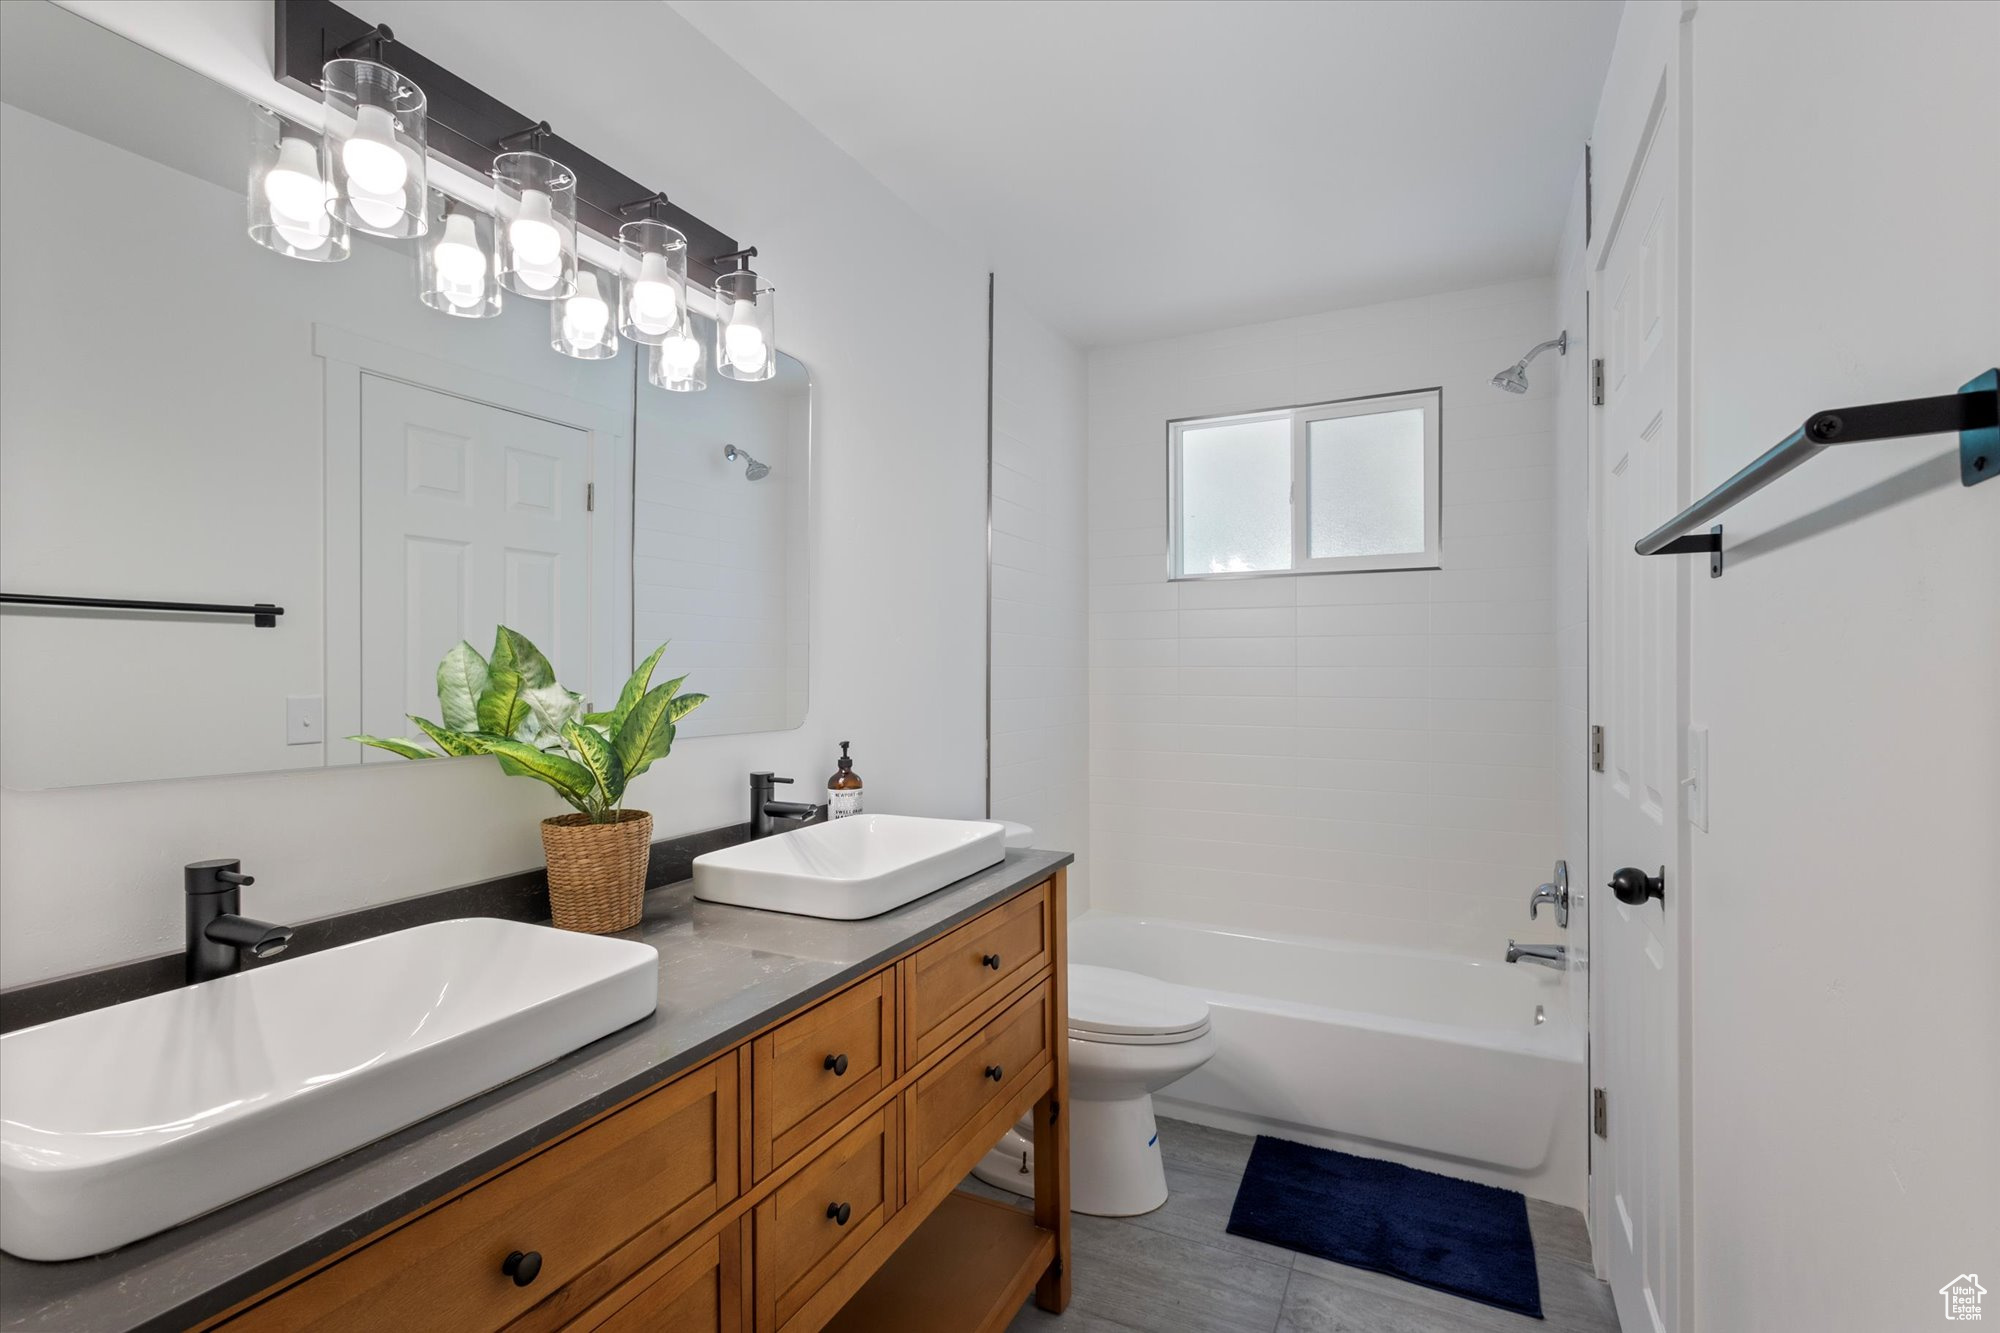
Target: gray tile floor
<point x="1177" y="1270"/>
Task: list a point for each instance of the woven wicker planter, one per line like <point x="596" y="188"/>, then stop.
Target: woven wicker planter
<point x="597" y="872"/>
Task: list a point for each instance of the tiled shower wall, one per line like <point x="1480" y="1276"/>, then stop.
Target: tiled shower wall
<point x="1365" y="756"/>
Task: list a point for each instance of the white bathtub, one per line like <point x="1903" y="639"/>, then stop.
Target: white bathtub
<point x="1469" y="1067"/>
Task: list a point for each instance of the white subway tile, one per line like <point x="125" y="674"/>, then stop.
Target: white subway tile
<point x="1250" y="622"/>
<point x="1229" y="680"/>
<point x="1376" y="650"/>
<point x="1204" y="594"/>
<point x="1239" y="652"/>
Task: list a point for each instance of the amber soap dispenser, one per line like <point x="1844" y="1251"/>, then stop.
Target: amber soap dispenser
<point x="843" y="789"/>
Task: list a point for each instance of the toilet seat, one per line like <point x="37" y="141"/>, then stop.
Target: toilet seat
<point x="1119" y="1008"/>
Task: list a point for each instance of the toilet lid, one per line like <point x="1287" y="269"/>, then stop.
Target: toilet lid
<point x="1106" y="1000"/>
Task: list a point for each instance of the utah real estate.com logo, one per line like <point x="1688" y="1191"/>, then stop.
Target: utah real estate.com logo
<point x="1961" y="1296"/>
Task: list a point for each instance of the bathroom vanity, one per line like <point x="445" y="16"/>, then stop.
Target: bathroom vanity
<point x="778" y="1147"/>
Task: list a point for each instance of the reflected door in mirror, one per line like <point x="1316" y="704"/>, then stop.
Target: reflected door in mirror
<point x="472" y="516"/>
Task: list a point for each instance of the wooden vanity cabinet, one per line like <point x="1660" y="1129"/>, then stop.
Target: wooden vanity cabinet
<point x="802" y="1180"/>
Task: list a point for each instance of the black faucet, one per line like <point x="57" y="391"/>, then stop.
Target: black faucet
<point x="764" y="811"/>
<point x="217" y="937"/>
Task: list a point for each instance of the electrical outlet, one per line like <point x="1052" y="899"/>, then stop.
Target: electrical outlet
<point x="304" y="719"/>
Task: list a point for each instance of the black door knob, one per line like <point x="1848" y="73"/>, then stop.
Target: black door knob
<point x="1635" y="886"/>
<point x="839" y="1212"/>
<point x="992" y="960"/>
<point x="837" y="1063"/>
<point x="995" y="1072"/>
<point x="523" y="1267"/>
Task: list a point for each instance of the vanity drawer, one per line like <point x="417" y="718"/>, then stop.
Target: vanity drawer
<point x="699" y="1292"/>
<point x="812" y="1072"/>
<point x="950" y="982"/>
<point x="813" y="1223"/>
<point x="973" y="1082"/>
<point x="661" y="1166"/>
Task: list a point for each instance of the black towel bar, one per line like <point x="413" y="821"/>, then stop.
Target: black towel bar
<point x="1973" y="412"/>
<point x="264" y="614"/>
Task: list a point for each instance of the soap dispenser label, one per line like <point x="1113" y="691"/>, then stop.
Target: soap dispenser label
<point x="841" y="804"/>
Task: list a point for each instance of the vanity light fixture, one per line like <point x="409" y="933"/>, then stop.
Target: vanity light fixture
<point x="373" y="150"/>
<point x="286" y="202"/>
<point x="652" y="289"/>
<point x="534" y="197"/>
<point x="581" y="324"/>
<point x="745" y="327"/>
<point x="679" y="364"/>
<point x="455" y="265"/>
<point x="388" y="107"/>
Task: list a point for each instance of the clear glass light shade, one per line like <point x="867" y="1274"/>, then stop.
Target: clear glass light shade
<point x="455" y="266"/>
<point x="534" y="197"/>
<point x="680" y="363"/>
<point x="652" y="288"/>
<point x="746" y="335"/>
<point x="584" y="323"/>
<point x="373" y="151"/>
<point x="286" y="199"/>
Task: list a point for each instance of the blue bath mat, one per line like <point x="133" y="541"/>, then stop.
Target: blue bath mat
<point x="1452" y="1235"/>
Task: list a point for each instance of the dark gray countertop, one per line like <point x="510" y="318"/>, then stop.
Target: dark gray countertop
<point x="724" y="973"/>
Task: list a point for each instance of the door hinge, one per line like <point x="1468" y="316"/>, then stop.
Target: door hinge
<point x="1597" y="382"/>
<point x="1596" y="749"/>
<point x="590" y="497"/>
<point x="1600" y="1119"/>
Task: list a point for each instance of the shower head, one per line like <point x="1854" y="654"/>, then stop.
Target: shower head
<point x="1514" y="379"/>
<point x="754" y="471"/>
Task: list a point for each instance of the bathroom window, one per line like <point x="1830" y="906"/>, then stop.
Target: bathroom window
<point x="1349" y="485"/>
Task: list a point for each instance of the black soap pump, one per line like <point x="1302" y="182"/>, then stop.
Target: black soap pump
<point x="843" y="789"/>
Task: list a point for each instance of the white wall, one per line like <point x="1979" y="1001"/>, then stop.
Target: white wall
<point x="1845" y="990"/>
<point x="90" y="875"/>
<point x="1040" y="722"/>
<point x="1365" y="756"/>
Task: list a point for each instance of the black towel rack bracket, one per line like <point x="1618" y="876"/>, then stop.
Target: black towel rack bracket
<point x="1973" y="413"/>
<point x="1694" y="544"/>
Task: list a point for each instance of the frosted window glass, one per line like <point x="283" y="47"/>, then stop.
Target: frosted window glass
<point x="1368" y="484"/>
<point x="1236" y="497"/>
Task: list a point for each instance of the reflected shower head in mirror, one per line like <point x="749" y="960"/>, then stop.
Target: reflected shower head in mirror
<point x="755" y="471"/>
<point x="1514" y="379"/>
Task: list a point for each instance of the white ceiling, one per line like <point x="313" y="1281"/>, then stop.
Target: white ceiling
<point x="1139" y="170"/>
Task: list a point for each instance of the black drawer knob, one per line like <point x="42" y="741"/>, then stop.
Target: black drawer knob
<point x="839" y="1212"/>
<point x="992" y="960"/>
<point x="523" y="1266"/>
<point x="837" y="1063"/>
<point x="995" y="1072"/>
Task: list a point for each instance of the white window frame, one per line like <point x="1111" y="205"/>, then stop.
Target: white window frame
<point x="1429" y="401"/>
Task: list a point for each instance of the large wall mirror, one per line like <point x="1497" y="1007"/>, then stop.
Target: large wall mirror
<point x="188" y="417"/>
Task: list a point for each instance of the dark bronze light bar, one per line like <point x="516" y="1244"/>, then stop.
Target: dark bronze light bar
<point x="468" y="127"/>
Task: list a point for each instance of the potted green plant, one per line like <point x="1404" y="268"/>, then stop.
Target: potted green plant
<point x="511" y="707"/>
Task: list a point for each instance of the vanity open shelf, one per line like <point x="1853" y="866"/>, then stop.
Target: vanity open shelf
<point x="804" y="1178"/>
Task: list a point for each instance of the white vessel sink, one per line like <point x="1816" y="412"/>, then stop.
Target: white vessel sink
<point x="863" y="865"/>
<point x="127" y="1120"/>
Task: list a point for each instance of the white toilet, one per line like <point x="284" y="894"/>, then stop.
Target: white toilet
<point x="1129" y="1036"/>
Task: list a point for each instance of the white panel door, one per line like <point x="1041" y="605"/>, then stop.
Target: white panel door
<point x="472" y="516"/>
<point x="1636" y="647"/>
